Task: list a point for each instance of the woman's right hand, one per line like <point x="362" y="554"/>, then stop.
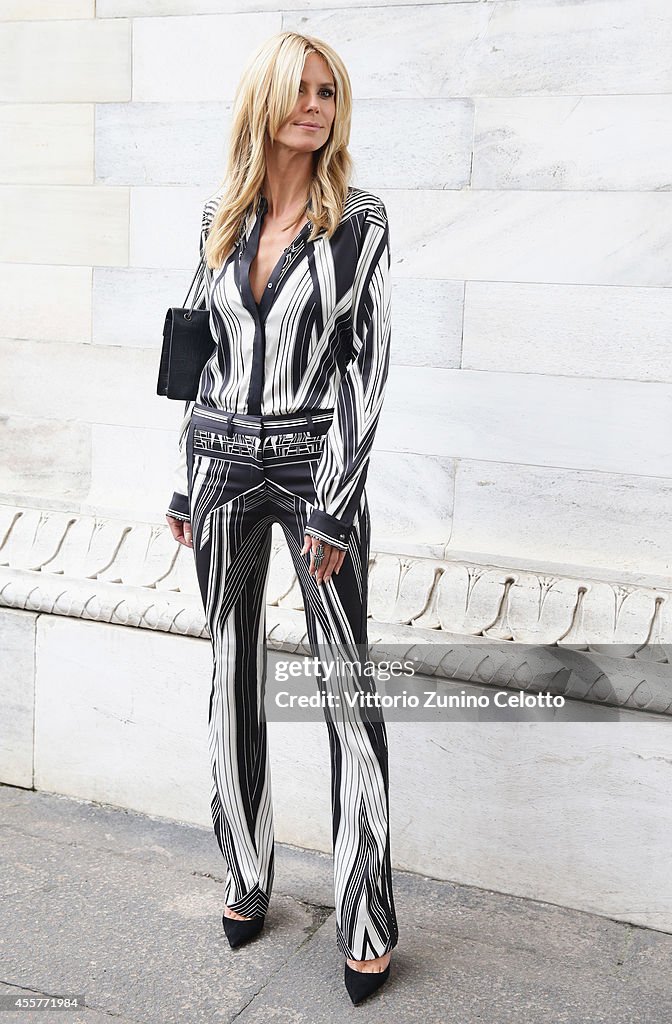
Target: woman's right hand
<point x="180" y="530"/>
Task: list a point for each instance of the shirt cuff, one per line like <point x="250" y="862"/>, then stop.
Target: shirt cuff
<point x="325" y="527"/>
<point x="179" y="507"/>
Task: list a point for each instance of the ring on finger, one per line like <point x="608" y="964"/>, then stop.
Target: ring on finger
<point x="318" y="555"/>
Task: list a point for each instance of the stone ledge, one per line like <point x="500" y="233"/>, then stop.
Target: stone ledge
<point x="588" y="639"/>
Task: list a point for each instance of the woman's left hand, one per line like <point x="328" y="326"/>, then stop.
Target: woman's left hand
<point x="332" y="561"/>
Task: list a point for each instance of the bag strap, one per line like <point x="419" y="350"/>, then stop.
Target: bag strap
<point x="197" y="281"/>
<point x="199" y="273"/>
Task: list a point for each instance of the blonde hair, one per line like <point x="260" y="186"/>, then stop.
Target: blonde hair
<point x="264" y="99"/>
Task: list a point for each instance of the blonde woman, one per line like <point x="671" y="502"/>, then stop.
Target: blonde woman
<point x="297" y="284"/>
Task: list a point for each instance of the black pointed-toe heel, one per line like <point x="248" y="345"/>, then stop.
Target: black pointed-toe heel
<point x="240" y="932"/>
<point x="361" y="984"/>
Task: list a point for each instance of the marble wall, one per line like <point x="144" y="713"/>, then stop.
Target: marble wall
<point x="520" y="147"/>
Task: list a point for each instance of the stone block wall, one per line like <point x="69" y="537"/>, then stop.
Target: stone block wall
<point x="521" y="147"/>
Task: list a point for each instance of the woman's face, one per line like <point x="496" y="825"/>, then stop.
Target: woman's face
<point x="315" y="105"/>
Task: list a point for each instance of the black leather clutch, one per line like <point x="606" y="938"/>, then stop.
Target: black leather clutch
<point x="187" y="345"/>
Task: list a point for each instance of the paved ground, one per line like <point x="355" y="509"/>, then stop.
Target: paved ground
<point x="126" y="910"/>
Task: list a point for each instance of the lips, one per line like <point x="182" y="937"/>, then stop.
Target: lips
<point x="306" y="124"/>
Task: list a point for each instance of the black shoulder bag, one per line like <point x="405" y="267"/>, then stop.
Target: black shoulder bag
<point x="187" y="345"/>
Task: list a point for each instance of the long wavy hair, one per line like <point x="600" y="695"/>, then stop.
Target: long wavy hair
<point x="264" y="99"/>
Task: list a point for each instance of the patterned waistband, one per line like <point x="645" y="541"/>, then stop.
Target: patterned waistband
<point x="317" y="421"/>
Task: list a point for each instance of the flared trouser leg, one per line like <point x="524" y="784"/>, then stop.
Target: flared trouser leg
<point x="231" y="531"/>
<point x="336" y="620"/>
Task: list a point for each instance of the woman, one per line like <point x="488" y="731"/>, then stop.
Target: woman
<point x="297" y="283"/>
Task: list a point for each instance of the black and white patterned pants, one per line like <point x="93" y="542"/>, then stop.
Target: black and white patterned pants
<point x="246" y="472"/>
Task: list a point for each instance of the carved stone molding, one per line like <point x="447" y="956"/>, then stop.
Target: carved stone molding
<point x="514" y="621"/>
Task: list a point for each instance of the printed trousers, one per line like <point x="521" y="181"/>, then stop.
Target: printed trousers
<point x="246" y="472"/>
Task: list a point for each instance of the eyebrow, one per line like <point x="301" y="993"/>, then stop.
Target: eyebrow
<point x="303" y="82"/>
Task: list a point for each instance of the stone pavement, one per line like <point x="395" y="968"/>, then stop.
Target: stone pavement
<point x="126" y="910"/>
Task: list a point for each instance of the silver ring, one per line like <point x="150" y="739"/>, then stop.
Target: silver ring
<point x="318" y="554"/>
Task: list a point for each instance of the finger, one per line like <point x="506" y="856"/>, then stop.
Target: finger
<point x="187" y="535"/>
<point x="309" y="543"/>
<point x="326" y="564"/>
<point x="316" y="570"/>
<point x="330" y="564"/>
<point x="314" y="542"/>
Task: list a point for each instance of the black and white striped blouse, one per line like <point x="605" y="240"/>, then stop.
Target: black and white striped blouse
<point x="319" y="339"/>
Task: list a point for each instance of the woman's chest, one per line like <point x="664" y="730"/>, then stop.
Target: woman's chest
<point x="272" y="246"/>
<point x="299" y="286"/>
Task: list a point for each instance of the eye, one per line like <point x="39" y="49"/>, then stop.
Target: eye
<point x="329" y="92"/>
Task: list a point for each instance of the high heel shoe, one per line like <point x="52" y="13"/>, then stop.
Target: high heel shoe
<point x="240" y="932"/>
<point x="361" y="984"/>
